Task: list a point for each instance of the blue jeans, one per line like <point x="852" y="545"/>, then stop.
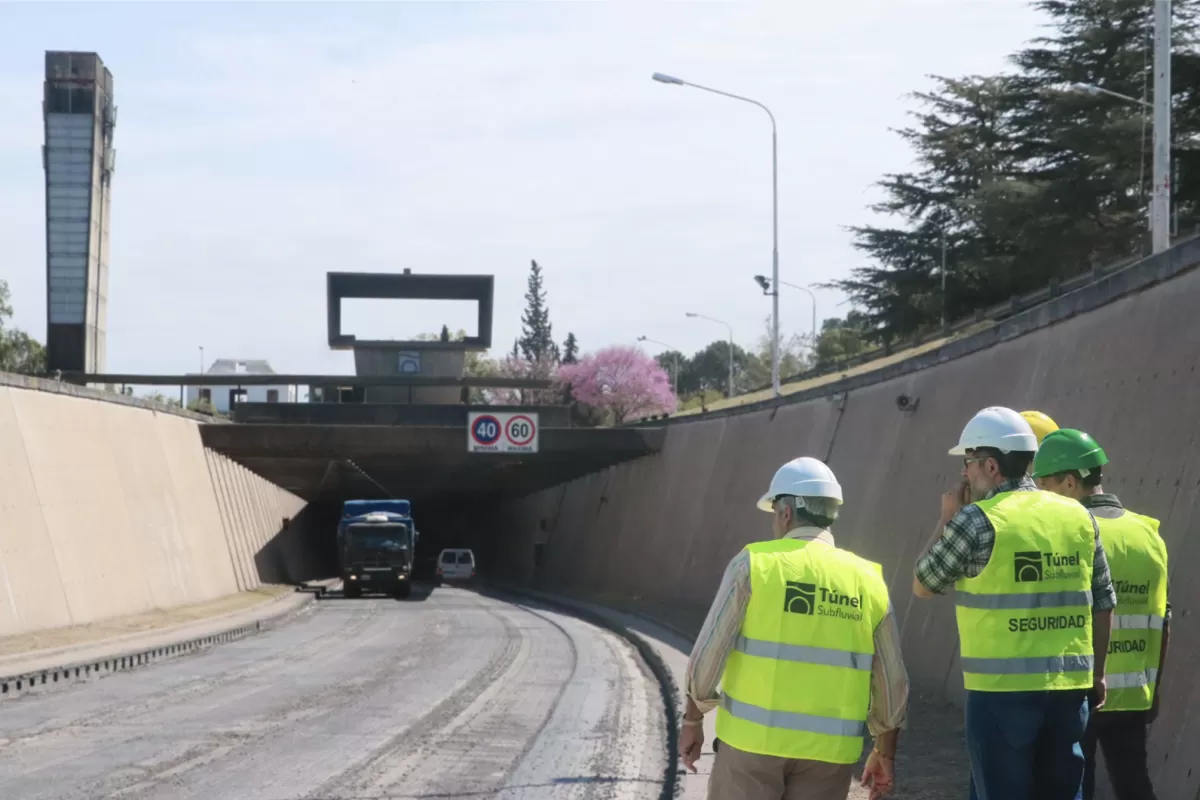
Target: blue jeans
<point x="1026" y="745"/>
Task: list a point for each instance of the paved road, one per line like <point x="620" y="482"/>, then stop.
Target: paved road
<point x="449" y="695"/>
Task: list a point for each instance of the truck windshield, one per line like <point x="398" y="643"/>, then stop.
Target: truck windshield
<point x="379" y="537"/>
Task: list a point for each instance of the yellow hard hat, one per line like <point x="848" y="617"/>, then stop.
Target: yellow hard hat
<point x="1040" y="423"/>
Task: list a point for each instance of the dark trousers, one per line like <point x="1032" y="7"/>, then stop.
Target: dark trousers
<point x="1122" y="736"/>
<point x="1026" y="745"/>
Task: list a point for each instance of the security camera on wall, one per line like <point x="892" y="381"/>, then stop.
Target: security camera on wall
<point x="907" y="403"/>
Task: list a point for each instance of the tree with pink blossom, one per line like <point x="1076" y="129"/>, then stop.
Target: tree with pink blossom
<point x="621" y="382"/>
<point x="513" y="366"/>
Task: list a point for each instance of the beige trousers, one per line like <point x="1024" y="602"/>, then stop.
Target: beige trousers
<point x="738" y="775"/>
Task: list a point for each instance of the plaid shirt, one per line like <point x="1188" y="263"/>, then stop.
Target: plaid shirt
<point x="1108" y="506"/>
<point x="966" y="543"/>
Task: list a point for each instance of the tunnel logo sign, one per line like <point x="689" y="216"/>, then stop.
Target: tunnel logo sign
<point x="502" y="432"/>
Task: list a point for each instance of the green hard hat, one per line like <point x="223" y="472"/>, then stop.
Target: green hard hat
<point x="1067" y="449"/>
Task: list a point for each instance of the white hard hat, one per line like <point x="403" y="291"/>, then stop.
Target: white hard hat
<point x="998" y="427"/>
<point x="802" y="477"/>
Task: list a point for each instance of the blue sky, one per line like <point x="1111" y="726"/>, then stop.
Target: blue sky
<point x="260" y="145"/>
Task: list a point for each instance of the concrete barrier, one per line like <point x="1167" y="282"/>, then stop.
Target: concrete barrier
<point x="660" y="530"/>
<point x="115" y="508"/>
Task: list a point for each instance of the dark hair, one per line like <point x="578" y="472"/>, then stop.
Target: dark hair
<point x="1012" y="465"/>
<point x="816" y="520"/>
<point x="1091" y="481"/>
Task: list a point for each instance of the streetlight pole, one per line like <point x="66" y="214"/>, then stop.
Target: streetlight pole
<point x="674" y="353"/>
<point x="1161" y="199"/>
<point x="202" y="359"/>
<point x="766" y="287"/>
<point x="730" y="329"/>
<point x="661" y="78"/>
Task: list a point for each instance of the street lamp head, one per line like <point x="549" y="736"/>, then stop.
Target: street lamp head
<point x="1086" y="88"/>
<point x="690" y="314"/>
<point x="658" y="76"/>
<point x="764" y="282"/>
<point x="641" y="338"/>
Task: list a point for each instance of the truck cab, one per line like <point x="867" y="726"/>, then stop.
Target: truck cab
<point x="376" y="545"/>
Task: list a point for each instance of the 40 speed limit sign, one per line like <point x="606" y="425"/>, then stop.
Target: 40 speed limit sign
<point x="502" y="432"/>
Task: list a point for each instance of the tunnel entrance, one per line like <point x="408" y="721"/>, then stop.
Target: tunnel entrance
<point x="451" y="490"/>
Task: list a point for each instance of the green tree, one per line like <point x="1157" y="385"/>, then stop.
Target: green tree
<point x="537" y="337"/>
<point x="19" y="352"/>
<point x="1022" y="179"/>
<point x="841" y="339"/>
<point x="570" y="351"/>
<point x="445" y="335"/>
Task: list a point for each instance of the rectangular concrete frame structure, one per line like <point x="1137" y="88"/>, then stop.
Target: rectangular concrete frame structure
<point x="406" y="286"/>
<point x="78" y="159"/>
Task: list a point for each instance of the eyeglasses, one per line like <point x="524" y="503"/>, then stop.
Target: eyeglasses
<point x="969" y="460"/>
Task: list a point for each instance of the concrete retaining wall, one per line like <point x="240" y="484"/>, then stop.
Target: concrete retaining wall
<point x="110" y="508"/>
<point x="660" y="531"/>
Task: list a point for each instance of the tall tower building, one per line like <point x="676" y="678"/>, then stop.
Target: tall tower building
<point x="78" y="158"/>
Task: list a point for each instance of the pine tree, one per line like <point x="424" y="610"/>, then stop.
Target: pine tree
<point x="537" y="338"/>
<point x="1024" y="179"/>
<point x="445" y="335"/>
<point x="570" y="350"/>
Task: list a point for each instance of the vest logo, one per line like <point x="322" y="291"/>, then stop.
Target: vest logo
<point x="1132" y="594"/>
<point x="1027" y="566"/>
<point x="1031" y="566"/>
<point x="800" y="598"/>
<point x="810" y="599"/>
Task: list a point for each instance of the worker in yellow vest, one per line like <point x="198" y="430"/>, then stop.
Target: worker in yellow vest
<point x="1033" y="602"/>
<point x="802" y="640"/>
<point x="1069" y="463"/>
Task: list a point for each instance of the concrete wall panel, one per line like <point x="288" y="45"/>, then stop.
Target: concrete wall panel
<point x="660" y="530"/>
<point x="108" y="508"/>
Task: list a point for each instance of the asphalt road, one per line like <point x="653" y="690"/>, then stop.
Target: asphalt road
<point x="446" y="695"/>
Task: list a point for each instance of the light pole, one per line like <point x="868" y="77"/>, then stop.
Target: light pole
<point x="674" y="353"/>
<point x="1160" y="199"/>
<point x="730" y="329"/>
<point x="766" y="287"/>
<point x="202" y="359"/>
<point x="661" y="78"/>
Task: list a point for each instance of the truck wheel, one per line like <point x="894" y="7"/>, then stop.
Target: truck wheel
<point x="351" y="590"/>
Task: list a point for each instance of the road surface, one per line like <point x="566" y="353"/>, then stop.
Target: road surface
<point x="449" y="694"/>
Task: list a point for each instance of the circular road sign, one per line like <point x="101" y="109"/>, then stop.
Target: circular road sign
<point x="486" y="430"/>
<point x="520" y="430"/>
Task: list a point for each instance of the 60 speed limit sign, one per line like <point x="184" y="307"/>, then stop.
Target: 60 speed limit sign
<point x="502" y="432"/>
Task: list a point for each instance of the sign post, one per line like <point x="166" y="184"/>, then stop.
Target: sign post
<point x="502" y="432"/>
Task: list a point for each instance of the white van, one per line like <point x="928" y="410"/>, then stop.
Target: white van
<point x="456" y="564"/>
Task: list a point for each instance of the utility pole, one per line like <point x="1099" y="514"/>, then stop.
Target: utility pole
<point x="1160" y="208"/>
<point x="943" y="279"/>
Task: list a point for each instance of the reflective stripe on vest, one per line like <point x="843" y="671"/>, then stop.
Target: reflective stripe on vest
<point x="798" y="682"/>
<point x="1025" y="623"/>
<point x="1137" y="558"/>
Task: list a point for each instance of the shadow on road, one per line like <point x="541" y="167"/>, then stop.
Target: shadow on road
<point x="421" y="591"/>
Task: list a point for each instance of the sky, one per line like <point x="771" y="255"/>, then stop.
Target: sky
<point x="261" y="145"/>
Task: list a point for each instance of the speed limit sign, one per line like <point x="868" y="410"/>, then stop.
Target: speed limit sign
<point x="502" y="432"/>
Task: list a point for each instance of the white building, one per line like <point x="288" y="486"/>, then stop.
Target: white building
<point x="224" y="396"/>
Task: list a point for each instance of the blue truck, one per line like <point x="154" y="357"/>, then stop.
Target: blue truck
<point x="376" y="542"/>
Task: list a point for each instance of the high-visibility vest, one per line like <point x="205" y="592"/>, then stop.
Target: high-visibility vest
<point x="798" y="682"/>
<point x="1025" y="623"/>
<point x="1137" y="558"/>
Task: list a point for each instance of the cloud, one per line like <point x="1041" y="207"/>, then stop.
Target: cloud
<point x="273" y="146"/>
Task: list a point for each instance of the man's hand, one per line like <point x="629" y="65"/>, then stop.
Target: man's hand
<point x="691" y="741"/>
<point x="878" y="775"/>
<point x="1099" y="694"/>
<point x="954" y="500"/>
